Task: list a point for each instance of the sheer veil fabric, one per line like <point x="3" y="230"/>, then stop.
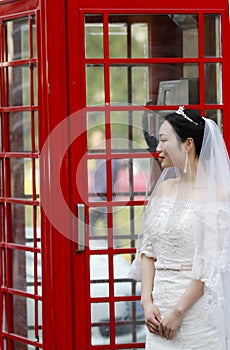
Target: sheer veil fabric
<point x="211" y="195"/>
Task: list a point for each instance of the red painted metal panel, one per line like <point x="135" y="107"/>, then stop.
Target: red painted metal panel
<point x="57" y="264"/>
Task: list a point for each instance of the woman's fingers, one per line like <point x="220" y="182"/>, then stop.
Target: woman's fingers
<point x="167" y="333"/>
<point x="153" y="326"/>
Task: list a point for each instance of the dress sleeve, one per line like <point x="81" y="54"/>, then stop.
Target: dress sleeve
<point x="211" y="265"/>
<point x="211" y="247"/>
<point x="145" y="247"/>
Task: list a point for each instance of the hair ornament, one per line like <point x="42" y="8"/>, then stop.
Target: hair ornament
<point x="180" y="111"/>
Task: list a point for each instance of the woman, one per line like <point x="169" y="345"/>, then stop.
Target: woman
<point x="184" y="255"/>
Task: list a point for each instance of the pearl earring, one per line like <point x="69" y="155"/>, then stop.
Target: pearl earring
<point x="186" y="162"/>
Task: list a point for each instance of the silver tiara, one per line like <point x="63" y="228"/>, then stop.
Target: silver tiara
<point x="180" y="111"/>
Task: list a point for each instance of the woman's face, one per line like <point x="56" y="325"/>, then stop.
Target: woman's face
<point x="171" y="152"/>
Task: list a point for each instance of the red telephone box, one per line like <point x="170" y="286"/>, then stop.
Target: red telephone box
<point x="84" y="85"/>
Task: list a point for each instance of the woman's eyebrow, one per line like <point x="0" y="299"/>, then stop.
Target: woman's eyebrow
<point x="162" y="134"/>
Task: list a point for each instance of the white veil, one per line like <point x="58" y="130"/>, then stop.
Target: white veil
<point x="211" y="262"/>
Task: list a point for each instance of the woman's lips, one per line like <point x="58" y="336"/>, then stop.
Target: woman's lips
<point x="161" y="158"/>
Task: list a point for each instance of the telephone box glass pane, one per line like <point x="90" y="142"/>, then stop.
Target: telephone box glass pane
<point x="18" y="85"/>
<point x="130" y="324"/>
<point x="17" y="39"/>
<point x="20" y="131"/>
<point x="95" y="93"/>
<point x="118" y="39"/>
<point x="213" y="83"/>
<point x="160" y="35"/>
<point x="100" y="323"/>
<point x="215" y="115"/>
<point x="160" y="84"/>
<point x="212" y="35"/>
<point x="94" y="47"/>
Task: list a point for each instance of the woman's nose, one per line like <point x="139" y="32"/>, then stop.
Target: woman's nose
<point x="158" y="149"/>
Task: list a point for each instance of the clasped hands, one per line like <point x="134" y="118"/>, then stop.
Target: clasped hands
<point x="165" y="327"/>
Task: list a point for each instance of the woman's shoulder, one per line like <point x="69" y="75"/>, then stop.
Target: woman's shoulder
<point x="167" y="186"/>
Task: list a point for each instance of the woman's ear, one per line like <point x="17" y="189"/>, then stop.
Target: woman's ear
<point x="189" y="144"/>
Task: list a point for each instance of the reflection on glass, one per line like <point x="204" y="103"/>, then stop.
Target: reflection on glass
<point x="20" y="321"/>
<point x="35" y="86"/>
<point x="97" y="180"/>
<point x="128" y="37"/>
<point x="120" y="140"/>
<point x="122" y="285"/>
<point x="118" y="39"/>
<point x="34" y="48"/>
<point x="127" y="224"/>
<point x="25" y="225"/>
<point x="20" y="131"/>
<point x="99" y="288"/>
<point x="138" y="36"/>
<point x="99" y="276"/>
<point x="98" y="230"/>
<point x="35" y="128"/>
<point x="95" y="85"/>
<point x="119" y="84"/>
<point x="96" y="138"/>
<point x="133" y="84"/>
<point x="36" y="175"/>
<point x="39" y="335"/>
<point x="139" y="40"/>
<point x="21" y="177"/>
<point x="24" y="323"/>
<point x="39" y="275"/>
<point x="20" y="230"/>
<point x="38" y="223"/>
<point x="18" y="85"/>
<point x="98" y="239"/>
<point x="212" y="35"/>
<point x="140" y="85"/>
<point x="31" y="319"/>
<point x="100" y="323"/>
<point x="2" y="234"/>
<point x="32" y="226"/>
<point x="215" y="115"/>
<point x="130" y="322"/>
<point x="21" y="272"/>
<point x="132" y="179"/>
<point x="213" y="83"/>
<point x="94" y="47"/>
<point x="133" y="87"/>
<point x="129" y="128"/>
<point x="95" y="127"/>
<point x="17" y="39"/>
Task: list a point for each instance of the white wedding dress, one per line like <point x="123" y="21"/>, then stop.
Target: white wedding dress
<point x="170" y="240"/>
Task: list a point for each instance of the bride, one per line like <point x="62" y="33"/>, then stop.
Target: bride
<point x="183" y="259"/>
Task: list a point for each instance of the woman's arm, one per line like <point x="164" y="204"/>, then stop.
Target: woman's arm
<point x="152" y="314"/>
<point x="172" y="321"/>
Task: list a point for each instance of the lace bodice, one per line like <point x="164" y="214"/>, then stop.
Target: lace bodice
<point x="172" y="228"/>
<point x="171" y="237"/>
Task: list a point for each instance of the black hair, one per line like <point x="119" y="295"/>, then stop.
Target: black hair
<point x="185" y="128"/>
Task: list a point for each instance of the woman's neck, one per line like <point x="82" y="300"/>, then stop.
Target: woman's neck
<point x="190" y="175"/>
